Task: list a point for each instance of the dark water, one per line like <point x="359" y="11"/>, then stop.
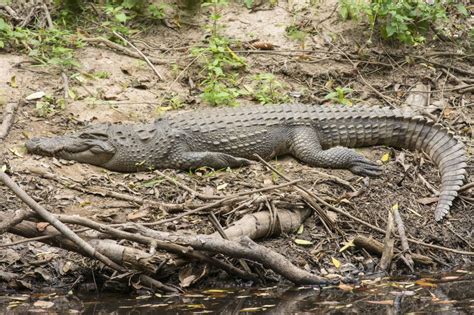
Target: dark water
<point x="448" y="294"/>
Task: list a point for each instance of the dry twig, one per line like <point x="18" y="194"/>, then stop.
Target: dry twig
<point x="141" y="54"/>
<point x="245" y="248"/>
<point x="19" y="216"/>
<point x="123" y="50"/>
<point x="377" y="247"/>
<point x="188" y="189"/>
<point x="227" y="200"/>
<point x="406" y="253"/>
<point x="71" y="184"/>
<point x="8" y="118"/>
<point x="171" y="247"/>
<point x="387" y="253"/>
<point x="306" y="195"/>
<point x="69" y="234"/>
<point x="222" y="233"/>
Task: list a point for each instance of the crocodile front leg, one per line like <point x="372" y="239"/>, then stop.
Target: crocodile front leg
<point x="216" y="160"/>
<point x="305" y="146"/>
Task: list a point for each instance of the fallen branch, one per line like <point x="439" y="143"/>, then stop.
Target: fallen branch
<point x="257" y="225"/>
<point x="118" y="253"/>
<point x="8" y="222"/>
<point x="245" y="248"/>
<point x="171" y="247"/>
<point x="8" y="118"/>
<point x="307" y="195"/>
<point x="48" y="16"/>
<point x="107" y="193"/>
<point x="388" y="245"/>
<point x="376" y="247"/>
<point x="123" y="50"/>
<point x="447" y="66"/>
<point x="375" y="228"/>
<point x="188" y="189"/>
<point x="221" y="232"/>
<point x="141" y="54"/>
<point x="61" y="227"/>
<point x="406" y="253"/>
<point x="467" y="187"/>
<point x="51" y="219"/>
<point x="65" y="85"/>
<point x="10" y="11"/>
<point x="227" y="200"/>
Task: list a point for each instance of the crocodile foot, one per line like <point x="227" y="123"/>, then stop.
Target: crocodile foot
<point x="364" y="167"/>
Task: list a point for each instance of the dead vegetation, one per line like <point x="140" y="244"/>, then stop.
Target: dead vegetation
<point x="275" y="221"/>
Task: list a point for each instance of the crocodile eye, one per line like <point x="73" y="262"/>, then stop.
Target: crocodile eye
<point x="94" y="135"/>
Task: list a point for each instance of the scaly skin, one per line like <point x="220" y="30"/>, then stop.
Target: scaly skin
<point x="230" y="137"/>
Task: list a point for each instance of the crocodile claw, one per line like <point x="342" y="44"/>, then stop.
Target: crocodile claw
<point x="365" y="167"/>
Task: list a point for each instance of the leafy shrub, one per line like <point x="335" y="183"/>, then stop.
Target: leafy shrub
<point x="404" y="20"/>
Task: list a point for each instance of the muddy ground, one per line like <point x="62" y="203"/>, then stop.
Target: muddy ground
<point x="309" y="69"/>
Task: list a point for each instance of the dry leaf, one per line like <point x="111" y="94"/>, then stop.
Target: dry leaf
<point x="347" y="244"/>
<point x="303" y="242"/>
<point x="384" y="302"/>
<point x="300" y="229"/>
<point x="222" y="186"/>
<point x="385" y="158"/>
<point x="345" y="287"/>
<point x="13" y="82"/>
<point x="41" y="226"/>
<point x="425" y="283"/>
<point x="137" y="215"/>
<point x="43" y="304"/>
<point x="190" y="275"/>
<point x="35" y="96"/>
<point x="336" y="262"/>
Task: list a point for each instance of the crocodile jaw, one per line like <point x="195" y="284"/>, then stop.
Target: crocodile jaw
<point x="92" y="151"/>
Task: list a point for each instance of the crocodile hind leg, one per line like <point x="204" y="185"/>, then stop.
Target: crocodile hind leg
<point x="305" y="147"/>
<point x="216" y="160"/>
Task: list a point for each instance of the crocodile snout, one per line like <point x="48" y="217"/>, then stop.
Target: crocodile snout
<point x="32" y="144"/>
<point x="44" y="146"/>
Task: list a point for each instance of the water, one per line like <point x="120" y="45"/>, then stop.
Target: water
<point x="449" y="294"/>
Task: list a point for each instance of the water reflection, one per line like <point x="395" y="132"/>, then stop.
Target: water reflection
<point x="450" y="294"/>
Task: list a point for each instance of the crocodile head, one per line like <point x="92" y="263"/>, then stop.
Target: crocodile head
<point x="91" y="145"/>
<point x="117" y="147"/>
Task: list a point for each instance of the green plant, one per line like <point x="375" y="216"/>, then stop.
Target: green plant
<point x="296" y="34"/>
<point x="121" y="12"/>
<point x="404" y="20"/>
<point x="50" y="47"/>
<point x="102" y="74"/>
<point x="339" y="95"/>
<point x="219" y="85"/>
<point x="268" y="90"/>
<point x="49" y="106"/>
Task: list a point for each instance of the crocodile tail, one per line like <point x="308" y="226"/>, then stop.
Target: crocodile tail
<point x="446" y="151"/>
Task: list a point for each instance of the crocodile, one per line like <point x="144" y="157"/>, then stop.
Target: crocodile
<point x="231" y="137"/>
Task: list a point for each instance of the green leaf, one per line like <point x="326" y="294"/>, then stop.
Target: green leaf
<point x="331" y="96"/>
<point x="347" y="244"/>
<point x="121" y="17"/>
<point x="248" y="4"/>
<point x="462" y="9"/>
<point x="4" y="26"/>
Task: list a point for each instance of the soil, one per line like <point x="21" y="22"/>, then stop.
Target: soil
<point x="309" y="69"/>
